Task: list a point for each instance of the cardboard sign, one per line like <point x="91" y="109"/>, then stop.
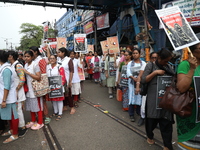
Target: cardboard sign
<point x="55" y="84"/>
<point x="113" y="44"/>
<point x="61" y="42"/>
<point x="80" y="43"/>
<point x="177" y="28"/>
<point x="197" y="93"/>
<point x="162" y="83"/>
<point x="91" y="48"/>
<point x="104" y="46"/>
<point x="124" y="77"/>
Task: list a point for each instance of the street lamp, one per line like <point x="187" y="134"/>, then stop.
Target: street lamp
<point x="6" y="40"/>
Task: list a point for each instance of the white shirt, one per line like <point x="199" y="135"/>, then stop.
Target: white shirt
<point x="76" y="78"/>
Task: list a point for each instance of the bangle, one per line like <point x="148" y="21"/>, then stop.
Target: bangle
<point x="137" y="82"/>
<point x="4" y="100"/>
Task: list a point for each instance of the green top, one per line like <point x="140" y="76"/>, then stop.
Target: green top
<point x="121" y="65"/>
<point x="187" y="127"/>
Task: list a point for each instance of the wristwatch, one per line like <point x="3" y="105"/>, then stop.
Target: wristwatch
<point x="4" y="100"/>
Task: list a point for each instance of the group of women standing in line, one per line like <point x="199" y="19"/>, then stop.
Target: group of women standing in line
<point x="12" y="78"/>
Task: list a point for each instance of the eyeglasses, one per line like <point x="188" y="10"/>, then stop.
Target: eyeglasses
<point x="153" y="57"/>
<point x="126" y="55"/>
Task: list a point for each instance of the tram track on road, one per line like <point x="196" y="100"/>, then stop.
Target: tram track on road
<point x="124" y="123"/>
<point x="51" y="138"/>
<point x="55" y="145"/>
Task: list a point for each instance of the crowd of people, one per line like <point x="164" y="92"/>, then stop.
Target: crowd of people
<point x="123" y="72"/>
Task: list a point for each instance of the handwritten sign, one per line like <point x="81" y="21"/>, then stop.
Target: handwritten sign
<point x="124" y="77"/>
<point x="55" y="84"/>
<point x="197" y="92"/>
<point x="162" y="83"/>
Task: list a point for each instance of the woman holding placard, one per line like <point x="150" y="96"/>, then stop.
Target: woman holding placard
<point x="187" y="128"/>
<point x="154" y="115"/>
<point x="56" y="70"/>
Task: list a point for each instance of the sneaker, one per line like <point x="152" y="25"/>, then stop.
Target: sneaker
<point x="132" y="118"/>
<point x="110" y="96"/>
<point x="140" y="122"/>
<point x="30" y="124"/>
<point x="22" y="132"/>
<point x="37" y="126"/>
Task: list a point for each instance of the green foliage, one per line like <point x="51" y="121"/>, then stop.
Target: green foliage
<point x="32" y="35"/>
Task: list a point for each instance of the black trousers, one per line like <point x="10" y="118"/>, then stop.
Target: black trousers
<point x="3" y="124"/>
<point x="165" y="129"/>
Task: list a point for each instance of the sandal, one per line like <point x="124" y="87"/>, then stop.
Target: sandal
<point x="6" y="133"/>
<point x="76" y="104"/>
<point x="150" y="141"/>
<point x="47" y="120"/>
<point x="58" y="117"/>
<point x="10" y="139"/>
<point x="53" y="115"/>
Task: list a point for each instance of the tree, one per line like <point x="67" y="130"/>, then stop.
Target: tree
<point x="32" y="35"/>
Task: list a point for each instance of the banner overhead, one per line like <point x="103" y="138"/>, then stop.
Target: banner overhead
<point x="102" y="21"/>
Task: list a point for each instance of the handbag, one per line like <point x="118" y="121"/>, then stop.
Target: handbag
<point x="176" y="102"/>
<point x="41" y="88"/>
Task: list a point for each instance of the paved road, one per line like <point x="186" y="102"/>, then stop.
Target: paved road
<point x="89" y="128"/>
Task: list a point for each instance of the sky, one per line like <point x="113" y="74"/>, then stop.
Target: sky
<point x="13" y="15"/>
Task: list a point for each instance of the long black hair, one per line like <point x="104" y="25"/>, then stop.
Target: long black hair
<point x="35" y="49"/>
<point x="13" y="54"/>
<point x="65" y="51"/>
<point x="3" y="56"/>
<point x="164" y="53"/>
<point x="30" y="53"/>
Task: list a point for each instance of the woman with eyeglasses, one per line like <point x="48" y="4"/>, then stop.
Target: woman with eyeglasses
<point x="55" y="69"/>
<point x="156" y="116"/>
<point x="153" y="58"/>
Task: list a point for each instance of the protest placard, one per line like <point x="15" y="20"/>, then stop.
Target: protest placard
<point x="91" y="48"/>
<point x="61" y="42"/>
<point x="162" y="83"/>
<point x="177" y="28"/>
<point x="81" y="73"/>
<point x="52" y="47"/>
<point x="113" y="44"/>
<point x="80" y="43"/>
<point x="124" y="77"/>
<point x="55" y="84"/>
<point x="112" y="69"/>
<point x="104" y="46"/>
